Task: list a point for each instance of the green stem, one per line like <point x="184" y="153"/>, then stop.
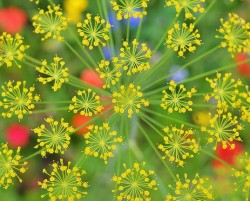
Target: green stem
<point x="52" y="102"/>
<point x="157" y="152"/>
<point x="32" y="155"/>
<point x="36" y="61"/>
<point x="128" y="29"/>
<point x="139" y="28"/>
<point x="47" y="110"/>
<point x="206" y="11"/>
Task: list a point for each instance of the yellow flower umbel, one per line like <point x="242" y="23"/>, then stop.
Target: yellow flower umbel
<point x="176" y="99"/>
<point x="129" y="8"/>
<point x="190" y="7"/>
<point x="183" y="38"/>
<point x="88" y="103"/>
<point x="64" y="182"/>
<point x="55" y="138"/>
<point x="134" y="183"/>
<point x="109" y="73"/>
<point x="101" y="142"/>
<point x="178" y="144"/>
<point x="50" y="23"/>
<point x="17" y="99"/>
<point x="242" y="175"/>
<point x="11" y="49"/>
<point x="134" y="58"/>
<point x="94" y="31"/>
<point x="56" y="72"/>
<point x="128" y="99"/>
<point x="195" y="189"/>
<point x="10" y="165"/>
<point x="226" y="90"/>
<point x="74" y="9"/>
<point x="235" y="34"/>
<point x="224" y="128"/>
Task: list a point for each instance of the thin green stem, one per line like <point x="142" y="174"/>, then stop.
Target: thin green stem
<point x="32" y="155"/>
<point x="35" y="61"/>
<point x="206" y="11"/>
<point x="52" y="102"/>
<point x="128" y="30"/>
<point x="49" y="110"/>
<point x="156" y="151"/>
<point x="139" y="28"/>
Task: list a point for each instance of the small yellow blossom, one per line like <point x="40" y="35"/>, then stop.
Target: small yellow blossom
<point x="109" y="72"/>
<point x="87" y="102"/>
<point x="17" y="99"/>
<point x="242" y="176"/>
<point x="235" y="34"/>
<point x="183" y="38"/>
<point x="55" y="138"/>
<point x="195" y="189"/>
<point x="134" y="183"/>
<point x="189" y="6"/>
<point x="50" y="23"/>
<point x="101" y="142"/>
<point x="226" y="90"/>
<point x="74" y="9"/>
<point x="128" y="99"/>
<point x="176" y="99"/>
<point x="11" y="49"/>
<point x="224" y="128"/>
<point x="178" y="144"/>
<point x="10" y="165"/>
<point x="56" y="71"/>
<point x="134" y="58"/>
<point x="94" y="31"/>
<point x="129" y="8"/>
<point x="64" y="182"/>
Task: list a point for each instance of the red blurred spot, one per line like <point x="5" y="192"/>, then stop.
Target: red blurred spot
<point x="244" y="69"/>
<point x="17" y="135"/>
<point x="228" y="155"/>
<point x="12" y="20"/>
<point x="92" y="78"/>
<point x="79" y="120"/>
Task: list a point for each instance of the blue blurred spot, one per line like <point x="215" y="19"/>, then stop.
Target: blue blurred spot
<point x="179" y="75"/>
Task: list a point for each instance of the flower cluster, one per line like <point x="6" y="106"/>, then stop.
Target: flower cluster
<point x="176" y="99"/>
<point x="56" y="72"/>
<point x="135" y="183"/>
<point x="11" y="49"/>
<point x="18" y="99"/>
<point x="94" y="31"/>
<point x="54" y="139"/>
<point x="101" y="142"/>
<point x="195" y="189"/>
<point x="128" y="100"/>
<point x="10" y="165"/>
<point x="235" y="34"/>
<point x="183" y="38"/>
<point x="64" y="182"/>
<point x="88" y="103"/>
<point x="178" y="144"/>
<point x="50" y="23"/>
<point x="129" y="8"/>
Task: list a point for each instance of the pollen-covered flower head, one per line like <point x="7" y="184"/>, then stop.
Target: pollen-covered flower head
<point x="135" y="183"/>
<point x="182" y="38"/>
<point x="54" y="72"/>
<point x="87" y="103"/>
<point x="134" y="58"/>
<point x="176" y="99"/>
<point x="242" y="175"/>
<point x="50" y="23"/>
<point x="54" y="137"/>
<point x="101" y="141"/>
<point x="64" y="182"/>
<point x="126" y="9"/>
<point x="186" y="189"/>
<point x="10" y="165"/>
<point x="226" y="90"/>
<point x="128" y="99"/>
<point x="235" y="33"/>
<point x="11" y="49"/>
<point x="224" y="128"/>
<point x="94" y="31"/>
<point x="109" y="71"/>
<point x="179" y="144"/>
<point x="17" y="99"/>
<point x="190" y="7"/>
